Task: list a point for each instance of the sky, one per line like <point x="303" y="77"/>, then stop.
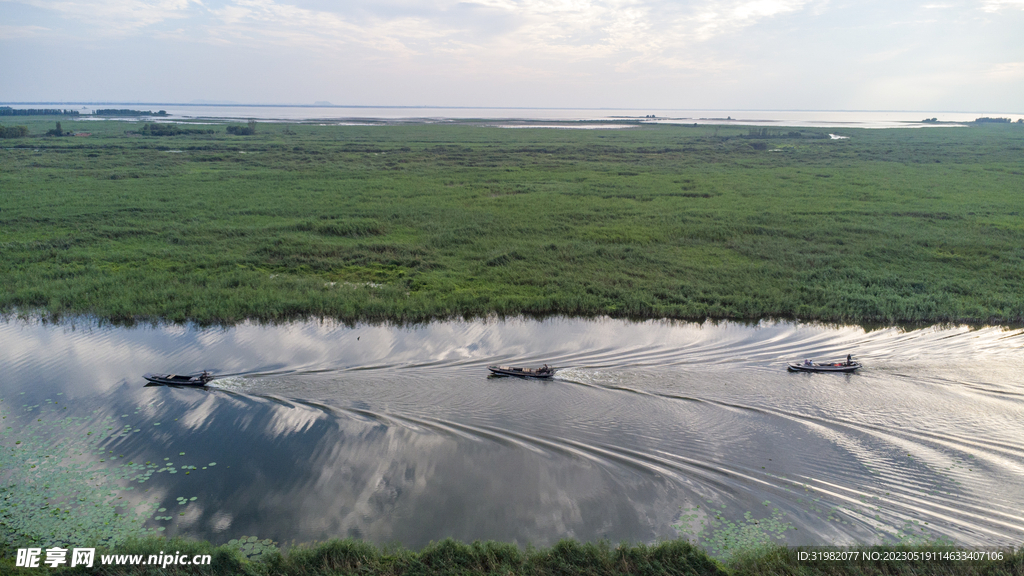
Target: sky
<point x="929" y="55"/>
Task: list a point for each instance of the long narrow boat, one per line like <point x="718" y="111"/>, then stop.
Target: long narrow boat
<point x="545" y="372"/>
<point x="833" y="367"/>
<point x="180" y="379"/>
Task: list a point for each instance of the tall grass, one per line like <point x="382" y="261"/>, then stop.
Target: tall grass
<point x="419" y="222"/>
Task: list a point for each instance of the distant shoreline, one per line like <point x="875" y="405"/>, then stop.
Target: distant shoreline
<point x="328" y="113"/>
<point x="442" y="107"/>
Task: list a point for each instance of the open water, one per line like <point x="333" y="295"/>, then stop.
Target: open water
<point x="362" y="115"/>
<point x="649" y="430"/>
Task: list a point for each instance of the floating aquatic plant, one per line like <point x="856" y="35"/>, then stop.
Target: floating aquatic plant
<point x="252" y="547"/>
<point x="723" y="537"/>
<point x="57" y="487"/>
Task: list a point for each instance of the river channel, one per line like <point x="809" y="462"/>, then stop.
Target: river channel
<point x="648" y="431"/>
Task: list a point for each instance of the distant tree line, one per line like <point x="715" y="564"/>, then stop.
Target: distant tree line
<point x="247" y="130"/>
<point x="154" y="129"/>
<point x="763" y="133"/>
<point x="127" y="112"/>
<point x="8" y="111"/>
<point x="993" y="120"/>
<point x="13" y="131"/>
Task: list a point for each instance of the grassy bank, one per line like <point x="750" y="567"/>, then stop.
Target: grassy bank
<point x="412" y="222"/>
<point x="339" y="557"/>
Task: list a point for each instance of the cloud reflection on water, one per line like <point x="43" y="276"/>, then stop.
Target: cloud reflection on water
<point x="397" y="434"/>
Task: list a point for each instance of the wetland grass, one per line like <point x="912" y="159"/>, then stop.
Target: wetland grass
<point x="415" y="222"/>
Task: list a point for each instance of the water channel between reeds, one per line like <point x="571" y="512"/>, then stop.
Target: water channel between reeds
<point x="648" y="431"/>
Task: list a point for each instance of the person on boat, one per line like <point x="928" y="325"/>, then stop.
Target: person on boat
<point x="807" y="362"/>
<point x="849" y="359"/>
<point x="545" y="369"/>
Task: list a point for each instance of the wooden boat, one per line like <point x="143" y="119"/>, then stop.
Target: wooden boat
<point x="833" y="367"/>
<point x="545" y="372"/>
<point x="180" y="379"/>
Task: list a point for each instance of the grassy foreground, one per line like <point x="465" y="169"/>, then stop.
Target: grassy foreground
<point x="346" y="557"/>
<point x="414" y="222"/>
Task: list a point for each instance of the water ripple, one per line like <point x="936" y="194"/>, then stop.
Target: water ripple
<point x="400" y="434"/>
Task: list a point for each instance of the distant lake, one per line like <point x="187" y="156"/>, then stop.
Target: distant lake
<point x="649" y="430"/>
<point x="791" y="118"/>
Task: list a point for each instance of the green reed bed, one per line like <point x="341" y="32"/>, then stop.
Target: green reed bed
<point x="413" y="222"/>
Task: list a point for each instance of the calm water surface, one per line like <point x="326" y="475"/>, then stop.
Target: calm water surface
<point x="648" y="431"/>
<point x="362" y="114"/>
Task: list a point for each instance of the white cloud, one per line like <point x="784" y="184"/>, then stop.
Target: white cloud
<point x="15" y="32"/>
<point x="266" y="21"/>
<point x="996" y="5"/>
<point x="632" y="31"/>
<point x="723" y="17"/>
<point x="1007" y="71"/>
<point x="537" y="51"/>
<point x="116" y="16"/>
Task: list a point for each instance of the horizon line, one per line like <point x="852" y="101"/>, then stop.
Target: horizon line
<point x="433" y="107"/>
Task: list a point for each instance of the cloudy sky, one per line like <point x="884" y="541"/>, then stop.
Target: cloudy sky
<point x="938" y="55"/>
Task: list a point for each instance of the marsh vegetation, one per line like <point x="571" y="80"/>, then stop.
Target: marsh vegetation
<point x="412" y="222"/>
